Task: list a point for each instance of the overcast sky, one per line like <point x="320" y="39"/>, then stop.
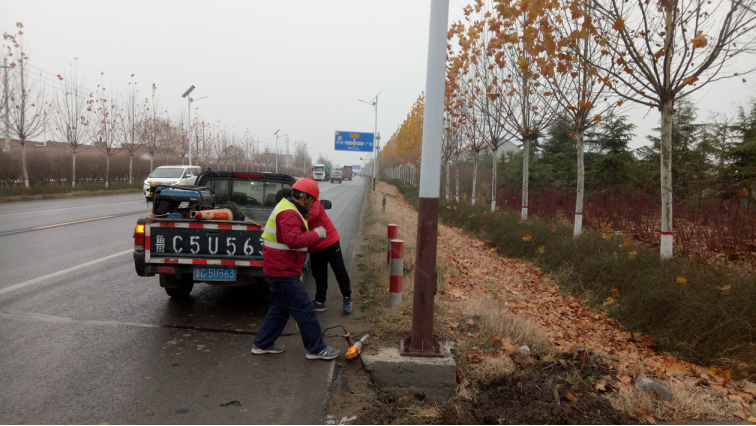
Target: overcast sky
<point x="295" y="65"/>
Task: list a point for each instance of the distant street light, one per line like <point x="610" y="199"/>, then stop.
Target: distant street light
<point x="304" y="161"/>
<point x="376" y="137"/>
<point x="189" y="121"/>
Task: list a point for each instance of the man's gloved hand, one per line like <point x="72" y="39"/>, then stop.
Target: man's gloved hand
<point x="321" y="232"/>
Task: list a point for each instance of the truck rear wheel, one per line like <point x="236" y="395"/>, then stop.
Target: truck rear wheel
<point x="176" y="286"/>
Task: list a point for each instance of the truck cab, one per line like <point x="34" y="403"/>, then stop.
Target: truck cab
<point x="320" y="172"/>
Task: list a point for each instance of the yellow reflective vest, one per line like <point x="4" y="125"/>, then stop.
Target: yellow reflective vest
<point x="269" y="234"/>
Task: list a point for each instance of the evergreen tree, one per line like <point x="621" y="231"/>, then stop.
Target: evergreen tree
<point x="615" y="164"/>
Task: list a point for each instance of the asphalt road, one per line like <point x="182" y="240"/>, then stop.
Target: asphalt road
<point x="83" y="339"/>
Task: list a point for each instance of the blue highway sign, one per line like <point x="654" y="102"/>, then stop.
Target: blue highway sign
<point x="353" y="141"/>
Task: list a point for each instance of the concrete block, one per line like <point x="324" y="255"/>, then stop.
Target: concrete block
<point x="432" y="379"/>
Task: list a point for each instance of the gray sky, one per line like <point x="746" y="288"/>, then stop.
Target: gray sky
<point x="295" y="65"/>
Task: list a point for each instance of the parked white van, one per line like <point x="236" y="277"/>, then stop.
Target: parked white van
<point x="172" y="175"/>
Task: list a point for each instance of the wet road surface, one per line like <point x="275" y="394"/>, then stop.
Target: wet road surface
<point x="86" y="340"/>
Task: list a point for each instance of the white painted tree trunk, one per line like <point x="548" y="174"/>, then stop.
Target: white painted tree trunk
<point x="525" y="175"/>
<point x="475" y="179"/>
<point x="151" y="162"/>
<point x="107" y="170"/>
<point x="73" y="172"/>
<point x="23" y="165"/>
<point x="447" y="181"/>
<point x="456" y="179"/>
<point x="493" y="182"/>
<point x="667" y="238"/>
<point x="580" y="185"/>
<point x="131" y="167"/>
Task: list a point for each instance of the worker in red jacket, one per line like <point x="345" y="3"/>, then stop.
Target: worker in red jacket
<point x="325" y="251"/>
<point x="285" y="242"/>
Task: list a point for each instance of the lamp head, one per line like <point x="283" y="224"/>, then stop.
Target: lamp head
<point x="188" y="91"/>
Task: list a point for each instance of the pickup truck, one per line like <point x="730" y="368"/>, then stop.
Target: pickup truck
<point x="184" y="251"/>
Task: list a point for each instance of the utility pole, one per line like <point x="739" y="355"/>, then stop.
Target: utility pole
<point x="421" y="341"/>
<point x="304" y="161"/>
<point x="276" y="135"/>
<point x="6" y="147"/>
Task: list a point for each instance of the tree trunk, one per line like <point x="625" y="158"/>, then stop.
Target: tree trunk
<point x="666" y="249"/>
<point x="107" y="170"/>
<point x="447" y="181"/>
<point x="131" y="167"/>
<point x="525" y="175"/>
<point x="475" y="179"/>
<point x="580" y="185"/>
<point x="73" y="172"/>
<point x="456" y="178"/>
<point x="151" y="160"/>
<point x="493" y="181"/>
<point x="23" y="165"/>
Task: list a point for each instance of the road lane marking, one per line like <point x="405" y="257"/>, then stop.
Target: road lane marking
<point x="65" y="271"/>
<point x="32" y="317"/>
<point x="69" y="223"/>
<point x="69" y="208"/>
<point x="39" y="228"/>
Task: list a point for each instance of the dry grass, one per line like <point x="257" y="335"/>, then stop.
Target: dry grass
<point x="689" y="402"/>
<point x="493" y="368"/>
<point x="495" y="322"/>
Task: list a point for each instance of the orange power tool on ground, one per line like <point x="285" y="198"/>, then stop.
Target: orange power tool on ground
<point x="354" y="348"/>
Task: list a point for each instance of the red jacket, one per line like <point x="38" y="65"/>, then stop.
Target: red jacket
<point x="318" y="217"/>
<point x="290" y="230"/>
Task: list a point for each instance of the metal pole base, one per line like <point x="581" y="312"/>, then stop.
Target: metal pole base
<point x="436" y="351"/>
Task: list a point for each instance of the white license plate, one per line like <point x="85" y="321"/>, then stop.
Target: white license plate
<point x="214" y="273"/>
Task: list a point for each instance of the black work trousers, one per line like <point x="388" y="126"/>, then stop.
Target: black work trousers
<point x="320" y="261"/>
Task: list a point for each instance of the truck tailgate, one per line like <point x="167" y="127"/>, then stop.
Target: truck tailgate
<point x="203" y="243"/>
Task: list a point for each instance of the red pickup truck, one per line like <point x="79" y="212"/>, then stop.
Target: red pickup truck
<point x="184" y="251"/>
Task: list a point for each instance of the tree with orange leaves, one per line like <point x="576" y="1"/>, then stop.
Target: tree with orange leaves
<point x="666" y="50"/>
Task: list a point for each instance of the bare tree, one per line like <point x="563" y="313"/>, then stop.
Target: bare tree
<point x="153" y="129"/>
<point x="666" y="51"/>
<point x="179" y="136"/>
<point x="28" y="109"/>
<point x="131" y="116"/>
<point x="301" y="157"/>
<point x="107" y="116"/>
<point x="71" y="113"/>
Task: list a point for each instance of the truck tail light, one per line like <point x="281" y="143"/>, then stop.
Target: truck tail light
<point x="165" y="269"/>
<point x="139" y="235"/>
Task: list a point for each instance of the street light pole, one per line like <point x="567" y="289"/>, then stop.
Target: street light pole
<point x="376" y="137"/>
<point x="276" y="135"/>
<point x="304" y="161"/>
<point x="189" y="120"/>
<point x="421" y="341"/>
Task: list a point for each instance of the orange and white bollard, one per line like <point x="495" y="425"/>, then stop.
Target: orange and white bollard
<point x="396" y="269"/>
<point x="218" y="214"/>
<point x="393" y="233"/>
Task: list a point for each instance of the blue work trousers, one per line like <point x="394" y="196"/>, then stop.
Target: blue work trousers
<point x="288" y="297"/>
